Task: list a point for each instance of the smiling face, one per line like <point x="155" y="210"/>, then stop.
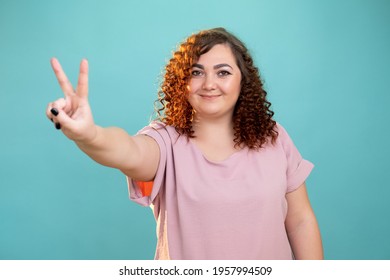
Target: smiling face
<point x="215" y="83"/>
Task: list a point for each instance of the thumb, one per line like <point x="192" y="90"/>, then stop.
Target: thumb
<point x="61" y="118"/>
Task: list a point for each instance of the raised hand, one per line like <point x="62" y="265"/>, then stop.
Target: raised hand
<point x="72" y="114"/>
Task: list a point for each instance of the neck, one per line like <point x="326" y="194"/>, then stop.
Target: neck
<point x="215" y="138"/>
<point x="221" y="129"/>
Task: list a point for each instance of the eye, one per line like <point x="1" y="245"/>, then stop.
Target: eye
<point x="224" y="73"/>
<point x="196" y="73"/>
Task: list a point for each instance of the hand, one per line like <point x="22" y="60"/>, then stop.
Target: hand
<point x="72" y="114"/>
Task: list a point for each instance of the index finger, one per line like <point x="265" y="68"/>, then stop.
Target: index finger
<point x="63" y="80"/>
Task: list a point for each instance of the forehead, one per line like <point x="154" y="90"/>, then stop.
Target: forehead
<point x="220" y="53"/>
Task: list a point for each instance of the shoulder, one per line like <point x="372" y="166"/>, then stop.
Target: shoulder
<point x="280" y="129"/>
<point x="157" y="126"/>
<point x="161" y="127"/>
<point x="283" y="135"/>
<point x="284" y="140"/>
<point x="157" y="129"/>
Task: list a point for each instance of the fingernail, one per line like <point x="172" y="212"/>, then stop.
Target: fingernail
<point x="54" y="111"/>
<point x="58" y="126"/>
<point x="51" y="120"/>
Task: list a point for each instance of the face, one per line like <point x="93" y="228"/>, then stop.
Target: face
<point x="215" y="83"/>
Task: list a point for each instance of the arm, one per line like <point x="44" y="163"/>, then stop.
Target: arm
<point x="137" y="156"/>
<point x="301" y="225"/>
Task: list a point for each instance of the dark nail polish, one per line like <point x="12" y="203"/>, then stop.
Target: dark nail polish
<point x="58" y="126"/>
<point x="54" y="111"/>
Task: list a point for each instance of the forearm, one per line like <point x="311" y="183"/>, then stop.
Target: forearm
<point x="137" y="156"/>
<point x="110" y="147"/>
<point x="305" y="240"/>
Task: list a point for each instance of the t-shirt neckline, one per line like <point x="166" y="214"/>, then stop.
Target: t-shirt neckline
<point x="220" y="162"/>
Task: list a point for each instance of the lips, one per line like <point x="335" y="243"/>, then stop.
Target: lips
<point x="209" y="96"/>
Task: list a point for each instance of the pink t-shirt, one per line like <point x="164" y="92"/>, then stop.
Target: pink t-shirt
<point x="234" y="209"/>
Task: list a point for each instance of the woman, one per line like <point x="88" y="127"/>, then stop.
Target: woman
<point x="224" y="179"/>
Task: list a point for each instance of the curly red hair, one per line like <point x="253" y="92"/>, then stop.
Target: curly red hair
<point x="252" y="119"/>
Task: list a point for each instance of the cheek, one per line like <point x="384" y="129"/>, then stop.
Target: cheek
<point x="190" y="91"/>
<point x="233" y="87"/>
<point x="238" y="85"/>
<point x="192" y="86"/>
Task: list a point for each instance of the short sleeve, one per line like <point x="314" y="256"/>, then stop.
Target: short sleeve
<point x="136" y="189"/>
<point x="298" y="169"/>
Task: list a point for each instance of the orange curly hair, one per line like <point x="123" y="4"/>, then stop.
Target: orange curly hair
<point x="252" y="119"/>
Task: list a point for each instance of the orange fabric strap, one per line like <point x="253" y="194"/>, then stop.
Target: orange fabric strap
<point x="145" y="187"/>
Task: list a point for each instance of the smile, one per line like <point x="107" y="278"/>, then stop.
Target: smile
<point x="210" y="97"/>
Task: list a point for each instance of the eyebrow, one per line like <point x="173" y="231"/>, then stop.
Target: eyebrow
<point x="215" y="66"/>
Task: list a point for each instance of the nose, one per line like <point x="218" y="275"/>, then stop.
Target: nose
<point x="209" y="82"/>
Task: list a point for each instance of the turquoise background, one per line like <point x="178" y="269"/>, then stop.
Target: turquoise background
<point x="325" y="65"/>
